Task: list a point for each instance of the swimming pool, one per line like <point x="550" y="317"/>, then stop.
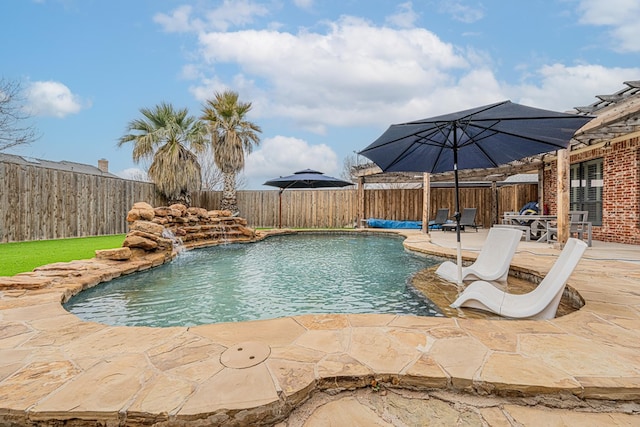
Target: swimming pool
<point x="280" y="276"/>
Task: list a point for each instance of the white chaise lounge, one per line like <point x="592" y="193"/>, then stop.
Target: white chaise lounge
<point x="493" y="260"/>
<point x="541" y="303"/>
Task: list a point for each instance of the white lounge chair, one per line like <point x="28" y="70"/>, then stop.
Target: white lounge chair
<point x="493" y="260"/>
<point x="541" y="303"/>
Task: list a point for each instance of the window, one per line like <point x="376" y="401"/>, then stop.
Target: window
<point x="586" y="189"/>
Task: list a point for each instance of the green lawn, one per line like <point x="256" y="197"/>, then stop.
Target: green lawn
<point x="25" y="256"/>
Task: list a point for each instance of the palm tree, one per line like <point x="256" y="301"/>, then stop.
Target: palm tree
<point x="232" y="136"/>
<point x="170" y="138"/>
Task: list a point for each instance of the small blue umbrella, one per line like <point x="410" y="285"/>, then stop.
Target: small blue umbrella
<point x="307" y="178"/>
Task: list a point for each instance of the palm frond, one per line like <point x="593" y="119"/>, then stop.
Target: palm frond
<point x="232" y="136"/>
<point x="167" y="136"/>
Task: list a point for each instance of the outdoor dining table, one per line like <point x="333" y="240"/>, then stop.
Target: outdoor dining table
<point x="538" y="224"/>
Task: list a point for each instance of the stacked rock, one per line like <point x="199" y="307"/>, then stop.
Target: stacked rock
<point x="161" y="228"/>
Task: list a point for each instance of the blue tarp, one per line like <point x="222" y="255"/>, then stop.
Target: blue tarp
<point x="388" y="223"/>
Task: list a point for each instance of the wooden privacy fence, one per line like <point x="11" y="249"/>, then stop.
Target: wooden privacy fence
<point x="38" y="203"/>
<point x="300" y="208"/>
<point x="334" y="208"/>
<point x="41" y="203"/>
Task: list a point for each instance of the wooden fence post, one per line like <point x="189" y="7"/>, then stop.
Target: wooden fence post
<point x="361" y="203"/>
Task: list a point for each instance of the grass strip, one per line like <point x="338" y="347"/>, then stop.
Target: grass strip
<point x="19" y="257"/>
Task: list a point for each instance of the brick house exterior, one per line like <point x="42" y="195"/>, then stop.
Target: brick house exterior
<point x="620" y="190"/>
<point x="614" y="137"/>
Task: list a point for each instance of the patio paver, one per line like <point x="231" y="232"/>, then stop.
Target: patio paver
<point x="55" y="367"/>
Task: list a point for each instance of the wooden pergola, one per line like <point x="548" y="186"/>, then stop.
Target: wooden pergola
<point x="615" y="115"/>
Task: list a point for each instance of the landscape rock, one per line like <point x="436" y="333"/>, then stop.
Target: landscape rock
<point x="171" y="226"/>
<point x="117" y="254"/>
<point x="162" y="211"/>
<point x="180" y="208"/>
<point x="165" y="244"/>
<point x="147" y="227"/>
<point x="133" y="241"/>
<point x="151" y="236"/>
<point x="160" y="220"/>
<point x="142" y="205"/>
<point x="141" y="210"/>
<point x="200" y="212"/>
<point x="247" y="231"/>
<point x="220" y="213"/>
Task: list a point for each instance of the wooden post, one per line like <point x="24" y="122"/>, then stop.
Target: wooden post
<point x="541" y="189"/>
<point x="426" y="201"/>
<point x="361" y="203"/>
<point x="562" y="194"/>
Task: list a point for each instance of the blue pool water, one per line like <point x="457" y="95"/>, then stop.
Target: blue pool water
<point x="280" y="276"/>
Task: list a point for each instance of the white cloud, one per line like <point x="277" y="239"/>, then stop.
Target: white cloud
<point x="191" y="72"/>
<point x="405" y="17"/>
<point x="461" y="12"/>
<point x="134" y="174"/>
<point x="575" y="86"/>
<point x="235" y="13"/>
<point x="597" y="12"/>
<point x="359" y="74"/>
<point x="207" y="87"/>
<point x="179" y="21"/>
<point x="304" y="4"/>
<point x="231" y="13"/>
<point x="354" y="74"/>
<point x="350" y="73"/>
<point x="622" y="16"/>
<point x="49" y="98"/>
<point x="281" y="156"/>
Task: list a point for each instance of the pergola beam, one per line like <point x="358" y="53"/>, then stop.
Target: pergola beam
<point x="373" y="174"/>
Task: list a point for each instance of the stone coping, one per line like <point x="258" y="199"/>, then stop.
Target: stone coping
<point x="55" y="367"/>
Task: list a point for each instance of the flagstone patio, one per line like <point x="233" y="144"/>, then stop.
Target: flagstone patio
<point x="325" y="369"/>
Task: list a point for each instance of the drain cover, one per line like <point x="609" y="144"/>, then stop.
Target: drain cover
<point x="245" y="355"/>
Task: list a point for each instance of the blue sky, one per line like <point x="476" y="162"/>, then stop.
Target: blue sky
<point x="325" y="77"/>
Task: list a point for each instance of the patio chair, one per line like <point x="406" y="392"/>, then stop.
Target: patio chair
<point x="578" y="225"/>
<point x="467" y="219"/>
<point x="442" y="215"/>
<point x="541" y="303"/>
<point x="493" y="260"/>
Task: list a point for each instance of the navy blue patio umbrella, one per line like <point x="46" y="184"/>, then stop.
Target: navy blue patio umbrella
<point x="307" y="178"/>
<point x="481" y="137"/>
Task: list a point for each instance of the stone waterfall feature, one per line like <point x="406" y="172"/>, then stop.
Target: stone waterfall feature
<point x="163" y="229"/>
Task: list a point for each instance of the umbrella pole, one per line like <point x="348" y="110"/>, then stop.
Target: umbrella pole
<point x="457" y="213"/>
<point x="280" y="208"/>
<point x="458" y="244"/>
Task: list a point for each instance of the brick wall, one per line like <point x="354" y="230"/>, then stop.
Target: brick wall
<point x="620" y="194"/>
<point x="549" y="188"/>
